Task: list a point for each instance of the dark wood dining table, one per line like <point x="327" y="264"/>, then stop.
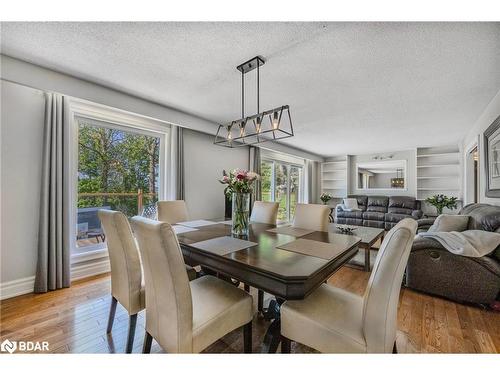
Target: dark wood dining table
<point x="284" y="274"/>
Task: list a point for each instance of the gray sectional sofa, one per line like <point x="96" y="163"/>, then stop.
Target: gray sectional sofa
<point x="380" y="211"/>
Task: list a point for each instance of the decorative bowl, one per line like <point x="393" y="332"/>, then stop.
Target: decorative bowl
<point x="346" y="229"/>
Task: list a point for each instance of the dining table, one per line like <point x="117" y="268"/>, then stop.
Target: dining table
<point x="286" y="262"/>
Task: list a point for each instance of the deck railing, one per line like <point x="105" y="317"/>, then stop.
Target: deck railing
<point x="139" y="194"/>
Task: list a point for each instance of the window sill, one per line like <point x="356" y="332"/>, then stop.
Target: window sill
<point x="86" y="256"/>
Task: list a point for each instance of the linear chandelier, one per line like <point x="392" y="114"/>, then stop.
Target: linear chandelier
<point x="264" y="126"/>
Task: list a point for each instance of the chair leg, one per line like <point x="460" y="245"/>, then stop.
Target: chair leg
<point x="148" y="340"/>
<point x="112" y="311"/>
<point x="394" y="348"/>
<point x="247" y="337"/>
<point x="286" y="345"/>
<point x="260" y="301"/>
<point x="131" y="332"/>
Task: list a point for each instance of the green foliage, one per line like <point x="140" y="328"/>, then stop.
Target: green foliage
<point x="441" y="201"/>
<point x="116" y="161"/>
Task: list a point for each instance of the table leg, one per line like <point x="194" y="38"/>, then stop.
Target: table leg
<point x="367" y="259"/>
<point x="273" y="334"/>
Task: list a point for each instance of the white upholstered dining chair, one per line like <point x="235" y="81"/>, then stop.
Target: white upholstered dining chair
<point x="126" y="271"/>
<point x="264" y="212"/>
<point x="332" y="320"/>
<point x="183" y="316"/>
<point x="311" y="216"/>
<point x="172" y="211"/>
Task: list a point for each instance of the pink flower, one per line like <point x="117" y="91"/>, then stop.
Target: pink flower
<point x="241" y="175"/>
<point x="225" y="179"/>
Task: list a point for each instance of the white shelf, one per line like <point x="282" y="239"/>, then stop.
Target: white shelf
<point x="434" y="177"/>
<point x="438" y="154"/>
<point x="439" y="165"/>
<point x="334" y="177"/>
<point x="439" y="189"/>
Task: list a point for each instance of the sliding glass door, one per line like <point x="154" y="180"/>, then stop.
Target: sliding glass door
<point x="281" y="183"/>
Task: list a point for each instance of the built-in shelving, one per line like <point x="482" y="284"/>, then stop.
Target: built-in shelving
<point x="439" y="171"/>
<point x="334" y="177"/>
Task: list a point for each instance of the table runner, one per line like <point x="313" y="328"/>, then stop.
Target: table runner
<point x="291" y="231"/>
<point x="178" y="229"/>
<point x="196" y="223"/>
<point x="223" y="245"/>
<point x="316" y="249"/>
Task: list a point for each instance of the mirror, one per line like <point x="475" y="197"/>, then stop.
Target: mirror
<point x="381" y="175"/>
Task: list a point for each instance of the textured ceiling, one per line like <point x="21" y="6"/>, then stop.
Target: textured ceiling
<point x="351" y="87"/>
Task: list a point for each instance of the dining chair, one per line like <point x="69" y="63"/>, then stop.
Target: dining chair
<point x="311" y="216"/>
<point x="264" y="212"/>
<point x="126" y="272"/>
<point x="172" y="211"/>
<point x="332" y="320"/>
<point x="184" y="316"/>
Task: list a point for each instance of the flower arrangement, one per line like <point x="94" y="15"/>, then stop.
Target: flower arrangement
<point x="325" y="198"/>
<point x="239" y="186"/>
<point x="441" y="201"/>
<point x="238" y="181"/>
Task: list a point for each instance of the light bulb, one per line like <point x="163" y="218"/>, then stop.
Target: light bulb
<point x="275" y="121"/>
<point x="229" y="134"/>
<point x="242" y="129"/>
<point x="258" y="125"/>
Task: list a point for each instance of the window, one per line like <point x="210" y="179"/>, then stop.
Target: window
<point x="281" y="183"/>
<point x="118" y="165"/>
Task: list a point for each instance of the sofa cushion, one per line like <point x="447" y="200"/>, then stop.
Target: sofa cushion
<point x="450" y="223"/>
<point x="369" y="215"/>
<point x="377" y="204"/>
<point x="394" y="217"/>
<point x="408" y="203"/>
<point x="400" y="210"/>
<point x="482" y="216"/>
<point x="350" y="214"/>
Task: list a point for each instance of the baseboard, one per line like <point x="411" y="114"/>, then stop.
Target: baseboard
<point x="17" y="287"/>
<point x="91" y="269"/>
<point x="26" y="285"/>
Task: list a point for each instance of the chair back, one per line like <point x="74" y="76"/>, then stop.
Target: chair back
<point x="124" y="258"/>
<point x="311" y="216"/>
<point x="382" y="292"/>
<point x="169" y="309"/>
<point x="264" y="212"/>
<point x="172" y="211"/>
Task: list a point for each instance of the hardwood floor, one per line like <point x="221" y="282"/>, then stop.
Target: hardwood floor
<point x="74" y="321"/>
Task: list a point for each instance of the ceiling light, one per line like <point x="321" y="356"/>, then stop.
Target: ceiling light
<point x="264" y="126"/>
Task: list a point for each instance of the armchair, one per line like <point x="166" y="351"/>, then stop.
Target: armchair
<point x="433" y="269"/>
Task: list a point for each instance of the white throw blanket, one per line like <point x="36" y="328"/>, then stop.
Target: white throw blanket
<point x="469" y="243"/>
<point x="344" y="208"/>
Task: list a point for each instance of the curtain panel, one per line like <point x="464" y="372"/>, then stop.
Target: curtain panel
<point x="53" y="265"/>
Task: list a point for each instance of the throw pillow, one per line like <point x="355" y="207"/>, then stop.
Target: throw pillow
<point x="450" y="223"/>
<point x="351" y="203"/>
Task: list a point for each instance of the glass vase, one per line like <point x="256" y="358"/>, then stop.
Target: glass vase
<point x="241" y="211"/>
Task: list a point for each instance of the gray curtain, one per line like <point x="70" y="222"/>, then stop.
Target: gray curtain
<point x="255" y="167"/>
<point x="180" y="164"/>
<point x="53" y="267"/>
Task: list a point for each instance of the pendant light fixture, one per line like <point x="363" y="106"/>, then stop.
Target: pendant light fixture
<point x="269" y="125"/>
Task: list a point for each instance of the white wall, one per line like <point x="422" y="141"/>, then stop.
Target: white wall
<point x="411" y="177"/>
<point x="203" y="165"/>
<point x="21" y="139"/>
<point x="491" y="112"/>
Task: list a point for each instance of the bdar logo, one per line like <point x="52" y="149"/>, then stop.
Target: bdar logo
<point x="8" y="346"/>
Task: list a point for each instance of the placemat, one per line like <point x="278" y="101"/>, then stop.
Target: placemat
<point x="178" y="229"/>
<point x="196" y="223"/>
<point x="223" y="245"/>
<point x="291" y="231"/>
<point x="316" y="249"/>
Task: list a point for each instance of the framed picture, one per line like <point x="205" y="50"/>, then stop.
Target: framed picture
<point x="492" y="159"/>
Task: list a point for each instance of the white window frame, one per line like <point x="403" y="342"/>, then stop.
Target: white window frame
<point x="117" y="119"/>
<point x="288" y="166"/>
